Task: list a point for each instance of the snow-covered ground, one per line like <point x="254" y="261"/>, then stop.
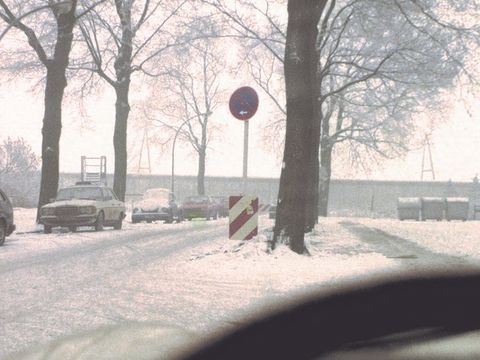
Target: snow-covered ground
<point x="29" y="239"/>
<point x="248" y="261"/>
<point x="454" y="238"/>
<point x="187" y="275"/>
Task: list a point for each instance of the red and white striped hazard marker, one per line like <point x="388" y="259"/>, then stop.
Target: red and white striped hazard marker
<point x="243" y="214"/>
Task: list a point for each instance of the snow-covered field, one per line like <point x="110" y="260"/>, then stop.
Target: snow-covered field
<point x="187" y="275"/>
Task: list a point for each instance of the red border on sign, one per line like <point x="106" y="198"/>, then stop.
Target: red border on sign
<point x="243" y="103"/>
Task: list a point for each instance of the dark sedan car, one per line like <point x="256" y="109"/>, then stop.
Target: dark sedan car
<point x="200" y="206"/>
<point x="7" y="225"/>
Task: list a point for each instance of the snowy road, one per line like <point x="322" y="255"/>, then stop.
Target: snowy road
<point x="191" y="276"/>
<point x="52" y="292"/>
<point x="144" y="246"/>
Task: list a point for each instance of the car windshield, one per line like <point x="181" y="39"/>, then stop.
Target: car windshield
<point x="193" y="163"/>
<point x="79" y="193"/>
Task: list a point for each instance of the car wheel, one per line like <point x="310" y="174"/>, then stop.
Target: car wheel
<point x="100" y="222"/>
<point x="134" y="221"/>
<point x="47" y="229"/>
<point x="2" y="233"/>
<point x="118" y="224"/>
<point x="72" y="228"/>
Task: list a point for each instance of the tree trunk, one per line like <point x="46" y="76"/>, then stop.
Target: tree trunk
<point x="122" y="109"/>
<point x="123" y="72"/>
<point x="56" y="83"/>
<point x="326" y="148"/>
<point x="201" y="172"/>
<point x="52" y="128"/>
<point x="300" y="74"/>
<point x="326" y="171"/>
<point x="314" y="169"/>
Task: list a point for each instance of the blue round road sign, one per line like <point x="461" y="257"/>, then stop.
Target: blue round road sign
<point x="244" y="103"/>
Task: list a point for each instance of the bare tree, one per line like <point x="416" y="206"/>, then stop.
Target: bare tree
<point x="377" y="63"/>
<point x="121" y="42"/>
<point x="48" y="28"/>
<point x="17" y="157"/>
<point x="193" y="94"/>
<point x="378" y="69"/>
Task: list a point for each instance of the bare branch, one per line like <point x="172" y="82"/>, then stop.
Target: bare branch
<point x="16" y="22"/>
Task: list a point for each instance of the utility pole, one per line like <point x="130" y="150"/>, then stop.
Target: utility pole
<point x="427" y="168"/>
<point x="145" y="145"/>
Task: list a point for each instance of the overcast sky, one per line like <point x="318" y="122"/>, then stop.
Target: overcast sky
<point x="455" y="144"/>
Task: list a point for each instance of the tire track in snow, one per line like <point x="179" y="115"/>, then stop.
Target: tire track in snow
<point x="131" y="238"/>
<point x="404" y="250"/>
<point x="54" y="293"/>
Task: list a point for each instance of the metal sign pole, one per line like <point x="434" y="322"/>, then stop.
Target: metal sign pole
<point x="245" y="155"/>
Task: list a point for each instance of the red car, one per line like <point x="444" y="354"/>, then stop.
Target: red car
<point x="199" y="206"/>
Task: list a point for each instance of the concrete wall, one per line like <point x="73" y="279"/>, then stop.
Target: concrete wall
<point x="364" y="197"/>
<point x="347" y="197"/>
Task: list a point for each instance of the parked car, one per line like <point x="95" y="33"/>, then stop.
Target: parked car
<point x="157" y="204"/>
<point x="200" y="206"/>
<point x="7" y="225"/>
<point x="84" y="204"/>
<point x="222" y="205"/>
